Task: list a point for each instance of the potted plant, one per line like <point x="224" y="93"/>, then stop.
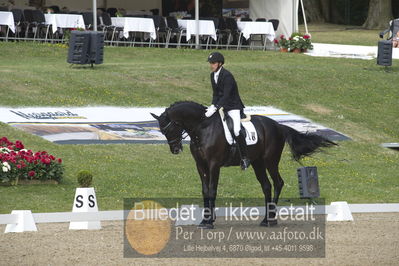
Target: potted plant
<point x="283" y="43"/>
<point x="300" y="43"/>
<point x="306" y="43"/>
<point x="295" y="42"/>
<point x="85" y="178"/>
<point x="21" y="166"/>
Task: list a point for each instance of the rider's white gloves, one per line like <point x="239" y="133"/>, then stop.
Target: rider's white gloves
<point x="210" y="111"/>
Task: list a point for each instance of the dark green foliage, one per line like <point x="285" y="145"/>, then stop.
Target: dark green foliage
<point x="85" y="178"/>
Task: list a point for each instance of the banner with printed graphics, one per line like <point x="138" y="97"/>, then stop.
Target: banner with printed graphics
<point x="102" y="124"/>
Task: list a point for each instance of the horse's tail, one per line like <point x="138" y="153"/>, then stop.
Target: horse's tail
<point x="304" y="144"/>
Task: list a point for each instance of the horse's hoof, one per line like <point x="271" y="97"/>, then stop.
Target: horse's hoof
<point x="205" y="226"/>
<point x="266" y="223"/>
<point x="273" y="222"/>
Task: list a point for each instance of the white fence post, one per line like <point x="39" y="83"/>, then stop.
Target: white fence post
<point x="343" y="212"/>
<point x="85" y="201"/>
<point x="25" y="222"/>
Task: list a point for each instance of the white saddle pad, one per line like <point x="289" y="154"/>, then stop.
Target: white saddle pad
<point x="251" y="134"/>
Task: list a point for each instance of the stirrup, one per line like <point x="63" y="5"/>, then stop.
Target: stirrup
<point x="245" y="163"/>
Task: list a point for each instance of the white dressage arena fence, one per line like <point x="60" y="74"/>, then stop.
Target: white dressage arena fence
<point x="25" y="220"/>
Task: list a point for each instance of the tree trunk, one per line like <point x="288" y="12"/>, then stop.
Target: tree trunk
<point x="39" y="4"/>
<point x="337" y="15"/>
<point x="379" y="15"/>
<point x="326" y="9"/>
<point x="313" y="11"/>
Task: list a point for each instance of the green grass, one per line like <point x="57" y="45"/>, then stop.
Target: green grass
<point x="342" y="34"/>
<point x="355" y="97"/>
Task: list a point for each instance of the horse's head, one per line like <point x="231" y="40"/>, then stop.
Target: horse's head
<point x="172" y="131"/>
<point x="171" y="122"/>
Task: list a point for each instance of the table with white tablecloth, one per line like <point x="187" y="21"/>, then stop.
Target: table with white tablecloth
<point x="64" y="21"/>
<point x="206" y="27"/>
<point x="256" y="27"/>
<point x="132" y="24"/>
<point x="7" y="18"/>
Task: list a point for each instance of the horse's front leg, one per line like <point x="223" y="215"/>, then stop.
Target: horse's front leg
<point x="209" y="192"/>
<point x="203" y="171"/>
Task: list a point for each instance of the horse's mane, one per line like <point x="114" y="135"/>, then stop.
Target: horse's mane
<point x="190" y="104"/>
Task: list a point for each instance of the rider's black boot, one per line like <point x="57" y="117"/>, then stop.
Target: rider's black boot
<point x="242" y="147"/>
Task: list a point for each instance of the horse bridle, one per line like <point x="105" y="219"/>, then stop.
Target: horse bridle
<point x="165" y="129"/>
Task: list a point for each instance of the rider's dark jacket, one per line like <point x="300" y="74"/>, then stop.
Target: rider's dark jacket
<point x="225" y="92"/>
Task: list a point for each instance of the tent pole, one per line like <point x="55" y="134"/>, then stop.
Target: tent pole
<point x="94" y="15"/>
<point x="304" y="17"/>
<point x="197" y="24"/>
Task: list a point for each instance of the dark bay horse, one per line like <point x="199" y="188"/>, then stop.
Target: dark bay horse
<point x="211" y="151"/>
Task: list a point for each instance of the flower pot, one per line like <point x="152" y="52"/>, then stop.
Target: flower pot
<point x="297" y="50"/>
<point x="6" y="184"/>
<point x="29" y="182"/>
<point x="284" y="50"/>
<point x="37" y="182"/>
<point x="304" y="50"/>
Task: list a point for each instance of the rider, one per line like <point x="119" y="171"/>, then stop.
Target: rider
<point x="225" y="94"/>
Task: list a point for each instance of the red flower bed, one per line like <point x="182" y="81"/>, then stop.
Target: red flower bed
<point x="19" y="163"/>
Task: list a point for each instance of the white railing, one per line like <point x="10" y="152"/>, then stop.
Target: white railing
<point x="118" y="215"/>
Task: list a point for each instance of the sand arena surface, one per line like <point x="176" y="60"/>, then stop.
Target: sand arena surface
<point x="371" y="239"/>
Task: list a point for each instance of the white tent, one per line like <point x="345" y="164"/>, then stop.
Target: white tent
<point x="286" y="11"/>
<point x="86" y="5"/>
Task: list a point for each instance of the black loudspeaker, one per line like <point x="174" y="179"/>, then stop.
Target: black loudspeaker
<point x="384" y="57"/>
<point x="96" y="47"/>
<point x="86" y="47"/>
<point x="78" y="48"/>
<point x="308" y="182"/>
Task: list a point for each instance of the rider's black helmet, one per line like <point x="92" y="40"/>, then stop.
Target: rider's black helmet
<point x="216" y="57"/>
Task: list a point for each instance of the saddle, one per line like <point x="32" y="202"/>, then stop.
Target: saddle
<point x="251" y="136"/>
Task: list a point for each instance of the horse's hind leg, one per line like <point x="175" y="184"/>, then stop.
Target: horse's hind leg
<point x="260" y="171"/>
<point x="278" y="182"/>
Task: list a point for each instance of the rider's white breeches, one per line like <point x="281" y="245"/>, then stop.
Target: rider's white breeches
<point x="235" y="115"/>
